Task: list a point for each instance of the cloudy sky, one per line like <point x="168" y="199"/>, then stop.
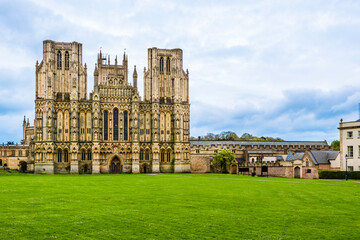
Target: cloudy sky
<point x="288" y="69"/>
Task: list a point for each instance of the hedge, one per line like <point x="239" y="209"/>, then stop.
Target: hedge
<point x="339" y="174"/>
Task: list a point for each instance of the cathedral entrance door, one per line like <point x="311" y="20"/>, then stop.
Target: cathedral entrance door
<point x="115" y="166"/>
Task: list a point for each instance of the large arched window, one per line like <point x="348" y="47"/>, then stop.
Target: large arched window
<point x="59" y="156"/>
<point x="58" y="60"/>
<point x="106" y="125"/>
<point x="147" y="154"/>
<point x="161" y="65"/>
<point x="168" y="156"/>
<point x="66" y="60"/>
<point x="168" y="65"/>
<point x="162" y="156"/>
<point x="125" y="126"/>
<point x="141" y="154"/>
<point x="116" y="125"/>
<point x="83" y="155"/>
<point x="66" y="156"/>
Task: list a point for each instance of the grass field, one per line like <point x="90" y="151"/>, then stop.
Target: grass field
<point x="173" y="206"/>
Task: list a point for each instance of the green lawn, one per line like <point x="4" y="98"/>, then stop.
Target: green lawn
<point x="172" y="206"/>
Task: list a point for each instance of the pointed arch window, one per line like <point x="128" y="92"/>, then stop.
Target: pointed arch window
<point x="58" y="60"/>
<point x="59" y="156"/>
<point x="116" y="125"/>
<point x="161" y="65"/>
<point x="106" y="136"/>
<point x="168" y="65"/>
<point x="147" y="154"/>
<point x="168" y="156"/>
<point x="89" y="155"/>
<point x="162" y="156"/>
<point x="83" y="155"/>
<point x="66" y="156"/>
<point x="67" y="60"/>
<point x="126" y="126"/>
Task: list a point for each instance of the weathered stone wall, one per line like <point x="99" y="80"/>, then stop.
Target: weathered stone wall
<point x="200" y="163"/>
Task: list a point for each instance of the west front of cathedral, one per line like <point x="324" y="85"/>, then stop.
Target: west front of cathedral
<point x="114" y="130"/>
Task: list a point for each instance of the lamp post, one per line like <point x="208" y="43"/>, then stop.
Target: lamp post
<point x="346" y="175"/>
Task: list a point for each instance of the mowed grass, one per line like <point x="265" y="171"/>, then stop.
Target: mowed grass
<point x="176" y="206"/>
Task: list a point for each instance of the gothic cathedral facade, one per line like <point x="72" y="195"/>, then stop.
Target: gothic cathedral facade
<point x="113" y="130"/>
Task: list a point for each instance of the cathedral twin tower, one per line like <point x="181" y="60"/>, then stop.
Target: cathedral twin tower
<point x="113" y="131"/>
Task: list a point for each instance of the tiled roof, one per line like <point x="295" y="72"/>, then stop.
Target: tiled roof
<point x="289" y="157"/>
<point x="256" y="143"/>
<point x="323" y="157"/>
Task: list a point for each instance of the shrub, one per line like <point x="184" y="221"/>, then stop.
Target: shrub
<point x="339" y="174"/>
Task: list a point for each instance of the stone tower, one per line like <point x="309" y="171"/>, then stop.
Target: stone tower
<point x="113" y="131"/>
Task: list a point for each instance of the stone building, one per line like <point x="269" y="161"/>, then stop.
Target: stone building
<point x="19" y="156"/>
<point x="113" y="131"/>
<point x="300" y="159"/>
<point x="350" y="145"/>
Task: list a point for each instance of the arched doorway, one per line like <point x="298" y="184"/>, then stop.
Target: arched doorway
<point x="297" y="172"/>
<point x="85" y="169"/>
<point x="145" y="168"/>
<point x="233" y="169"/>
<point x="23" y="166"/>
<point x="115" y="166"/>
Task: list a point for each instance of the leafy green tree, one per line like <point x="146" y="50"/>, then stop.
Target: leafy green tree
<point x="335" y="145"/>
<point x="223" y="159"/>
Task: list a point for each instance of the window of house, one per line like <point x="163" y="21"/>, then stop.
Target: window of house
<point x="5" y="153"/>
<point x="20" y="153"/>
<point x="308" y="170"/>
<point x="83" y="155"/>
<point x="216" y="151"/>
<point x="197" y="151"/>
<point x="350" y="168"/>
<point x="350" y="152"/>
<point x="13" y="153"/>
<point x="89" y="155"/>
<point x="358" y="134"/>
<point x="349" y="134"/>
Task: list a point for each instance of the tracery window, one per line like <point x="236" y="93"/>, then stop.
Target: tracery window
<point x="59" y="156"/>
<point x="58" y="60"/>
<point x="161" y="65"/>
<point x="147" y="154"/>
<point x="162" y="156"/>
<point x="125" y="126"/>
<point x="168" y="65"/>
<point x="141" y="154"/>
<point x="89" y="155"/>
<point x="106" y="125"/>
<point x="83" y="155"/>
<point x="66" y="156"/>
<point x="116" y="125"/>
<point x="66" y="60"/>
<point x="168" y="155"/>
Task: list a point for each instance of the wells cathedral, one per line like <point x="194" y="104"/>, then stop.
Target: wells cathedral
<point x="114" y="130"/>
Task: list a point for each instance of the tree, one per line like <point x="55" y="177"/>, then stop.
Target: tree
<point x="223" y="159"/>
<point x="335" y="145"/>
